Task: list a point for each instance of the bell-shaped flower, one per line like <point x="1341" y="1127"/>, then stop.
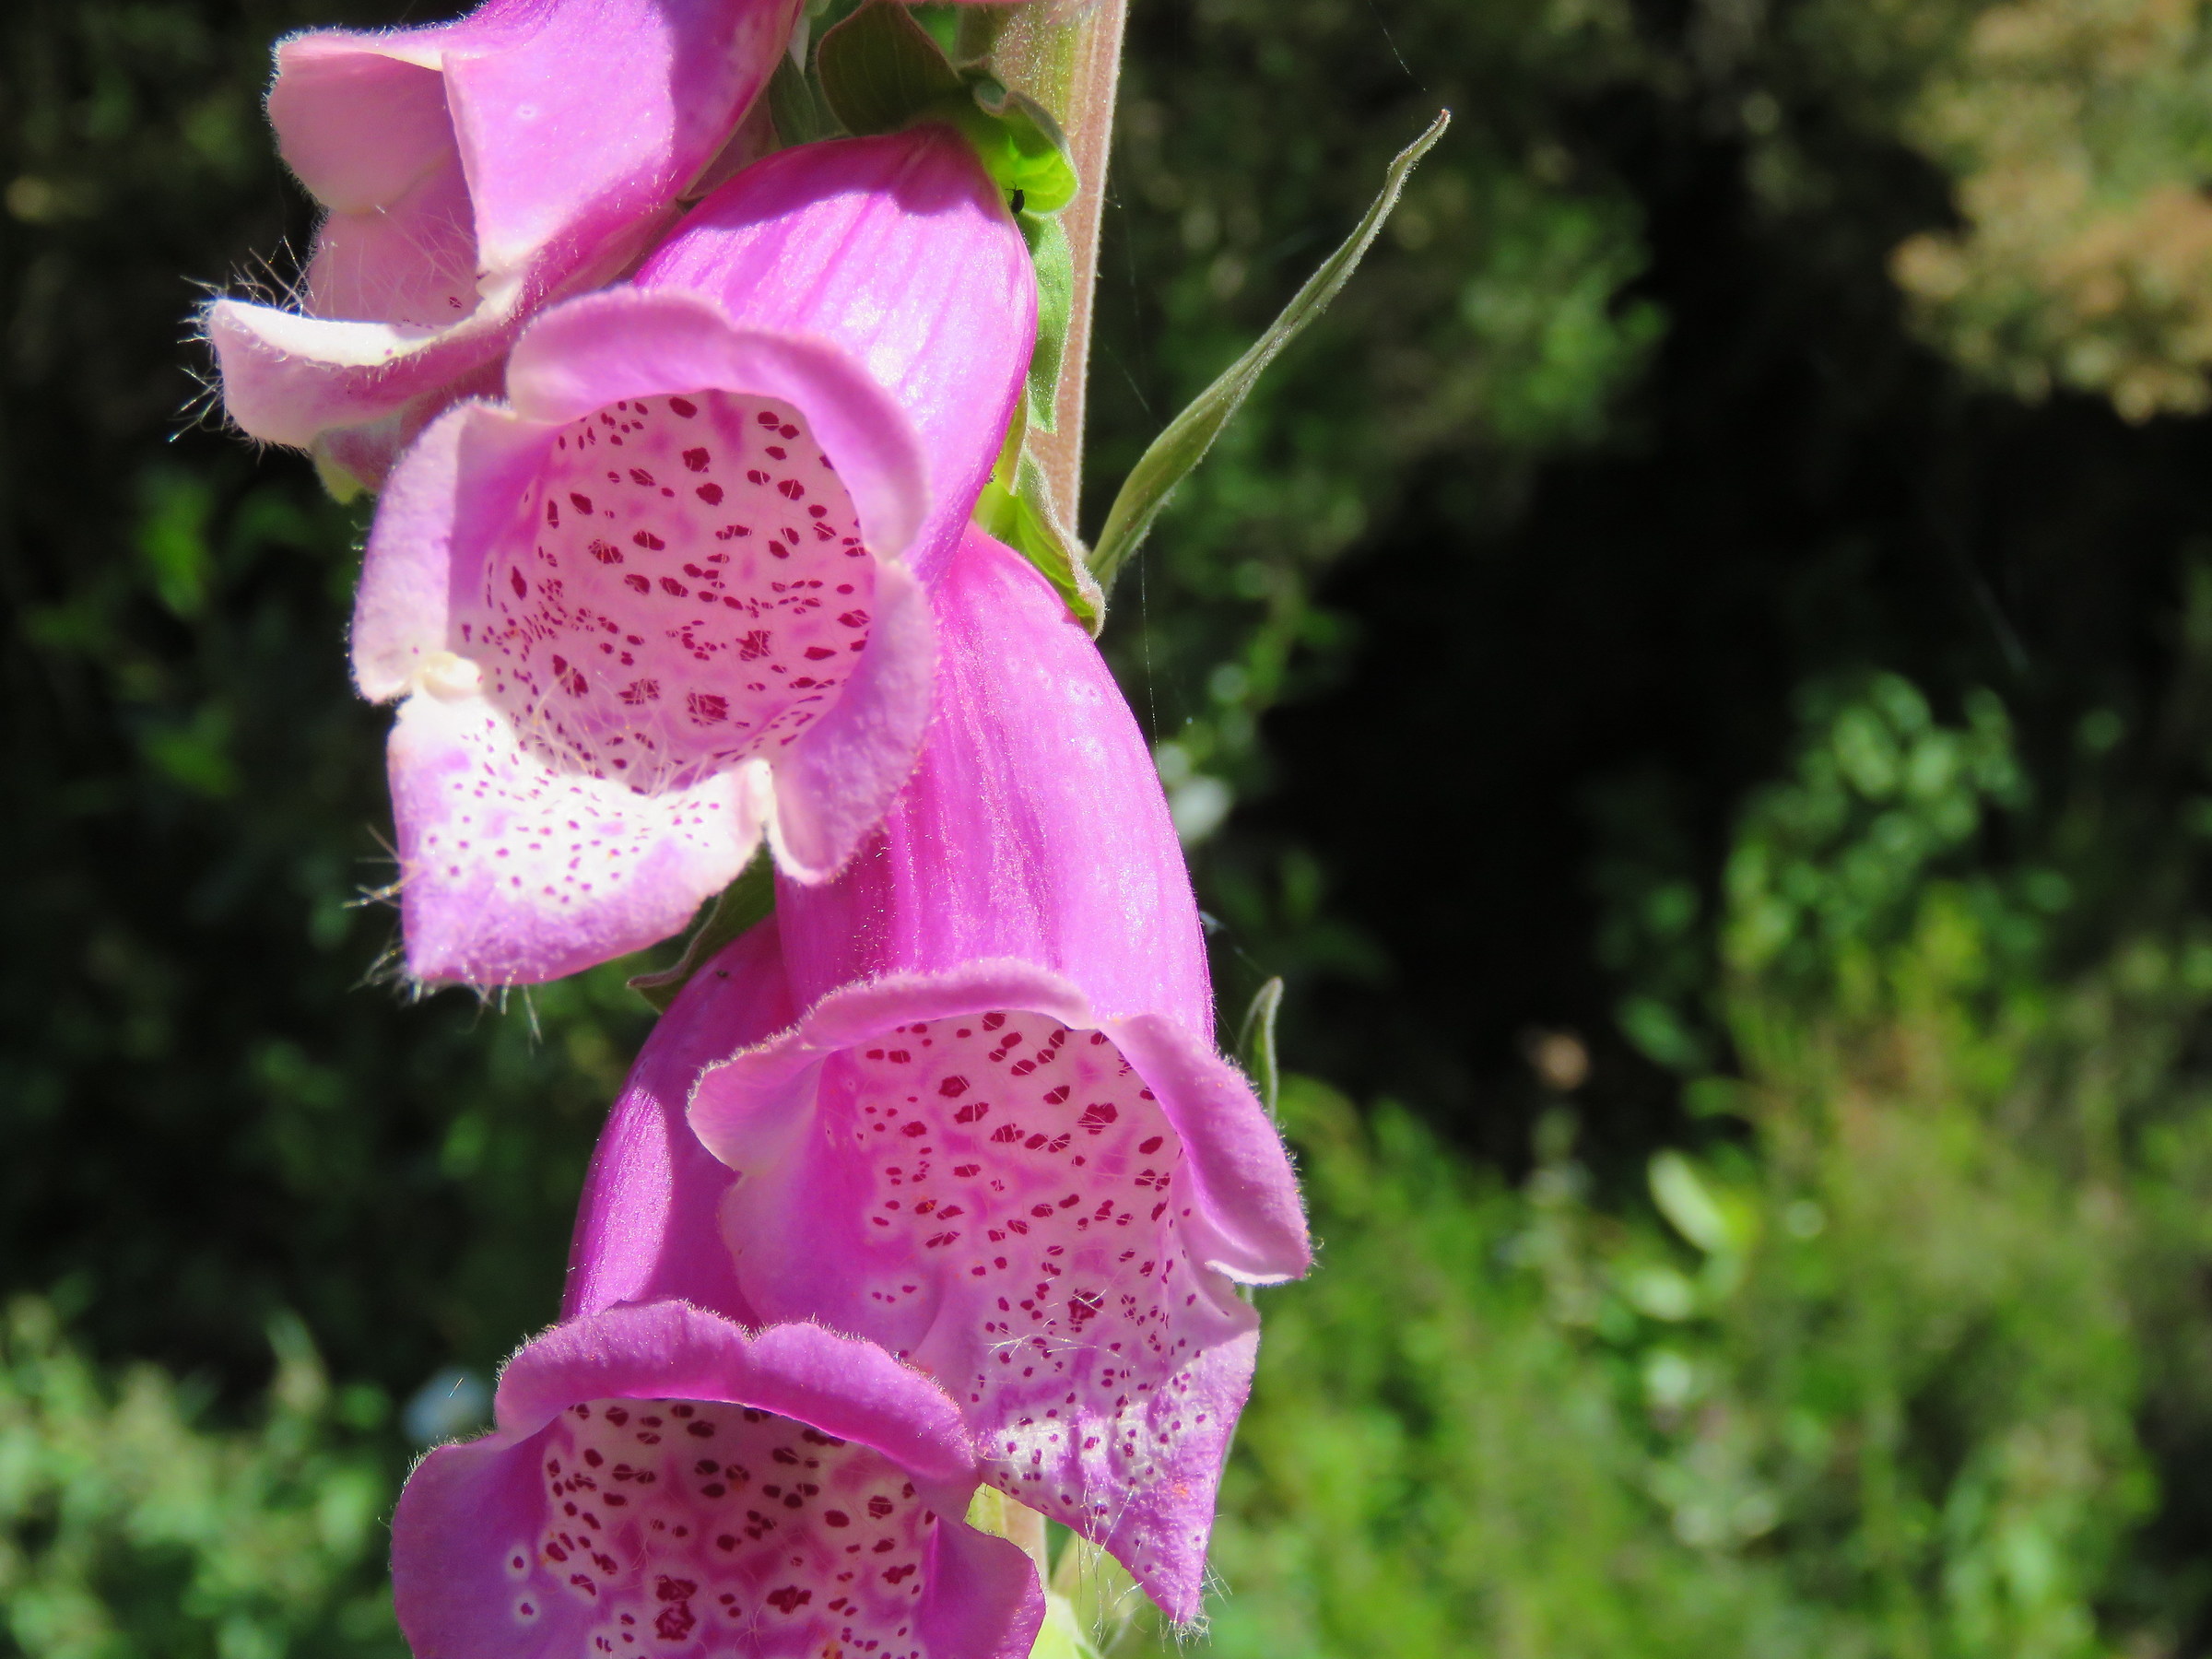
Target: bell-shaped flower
<point x="660" y="1482"/>
<point x="471" y="172"/>
<point x="1003" y="1147"/>
<point x="659" y="603"/>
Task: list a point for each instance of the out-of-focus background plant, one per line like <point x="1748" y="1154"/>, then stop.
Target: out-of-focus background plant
<point x="1698" y="674"/>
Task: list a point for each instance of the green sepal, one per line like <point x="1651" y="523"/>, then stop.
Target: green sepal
<point x="879" y="69"/>
<point x="1255" y="1044"/>
<point x="797" y="112"/>
<point x="987" y="1511"/>
<point x="1022" y="517"/>
<point x="1256" y="1048"/>
<point x="1055" y="261"/>
<point x="1020" y="145"/>
<point x="1061" y="1636"/>
<point x="1178" y="450"/>
<point x="745" y="901"/>
<point x="340" y="485"/>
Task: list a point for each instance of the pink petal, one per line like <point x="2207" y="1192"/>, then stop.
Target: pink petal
<point x="1034" y="826"/>
<point x="473" y="171"/>
<point x="899" y="249"/>
<point x="647" y="1227"/>
<point x="1035" y="1205"/>
<point x="649" y="612"/>
<point x="657" y="1474"/>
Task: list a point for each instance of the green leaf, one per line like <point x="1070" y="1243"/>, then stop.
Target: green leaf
<point x="1256" y="1043"/>
<point x="1689" y="1203"/>
<point x="1055" y="263"/>
<point x="1023" y="518"/>
<point x="747" y="900"/>
<point x="879" y="69"/>
<point x="1177" y="451"/>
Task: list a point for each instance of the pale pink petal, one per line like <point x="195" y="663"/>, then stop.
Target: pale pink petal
<point x="661" y="1482"/>
<point x="513" y="871"/>
<point x="648" y="1227"/>
<point x="299" y="380"/>
<point x="659" y="608"/>
<point x="899" y="249"/>
<point x="474" y="172"/>
<point x="1034" y="826"/>
<point x="1035" y="1205"/>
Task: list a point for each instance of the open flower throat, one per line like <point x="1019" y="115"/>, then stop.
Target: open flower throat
<point x="675" y="1527"/>
<point x="695" y="593"/>
<point x="1022" y="1231"/>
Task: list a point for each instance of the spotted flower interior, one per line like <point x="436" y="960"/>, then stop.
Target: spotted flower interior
<point x="1024" y="1239"/>
<point x="677" y="1527"/>
<point x="694" y="593"/>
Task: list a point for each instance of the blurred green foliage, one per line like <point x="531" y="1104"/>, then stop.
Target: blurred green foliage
<point x="1887" y="1372"/>
<point x="126" y="1528"/>
<point x="1718" y="743"/>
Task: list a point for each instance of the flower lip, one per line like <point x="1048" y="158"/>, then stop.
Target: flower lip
<point x="1252" y="1231"/>
<point x="330" y="88"/>
<point x="659" y="1351"/>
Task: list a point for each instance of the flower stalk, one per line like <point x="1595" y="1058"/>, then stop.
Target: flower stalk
<point x="932" y="1182"/>
<point x="1067" y="55"/>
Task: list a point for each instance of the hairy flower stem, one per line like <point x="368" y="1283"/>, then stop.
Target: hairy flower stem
<point x="1067" y="55"/>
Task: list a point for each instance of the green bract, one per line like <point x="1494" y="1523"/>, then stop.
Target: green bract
<point x="1021" y="514"/>
<point x="1055" y="263"/>
<point x="881" y="71"/>
<point x="1020" y="144"/>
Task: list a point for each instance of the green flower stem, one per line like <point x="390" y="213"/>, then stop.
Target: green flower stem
<point x="1067" y="55"/>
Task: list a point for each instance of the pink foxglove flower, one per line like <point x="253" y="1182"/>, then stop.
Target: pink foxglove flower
<point x="1005" y="1149"/>
<point x="471" y="172"/>
<point x="660" y="1482"/>
<point x="659" y="603"/>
